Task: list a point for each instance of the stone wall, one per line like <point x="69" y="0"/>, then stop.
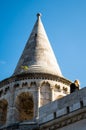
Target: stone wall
<point x="22" y="126"/>
<point x="63" y="112"/>
<point x="12" y="91"/>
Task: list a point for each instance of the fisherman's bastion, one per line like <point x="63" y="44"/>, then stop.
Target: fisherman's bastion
<point x="37" y="95"/>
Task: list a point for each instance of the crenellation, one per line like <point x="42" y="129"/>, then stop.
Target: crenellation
<point x="61" y="111"/>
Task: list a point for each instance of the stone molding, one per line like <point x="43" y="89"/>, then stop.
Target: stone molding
<point x="24" y="76"/>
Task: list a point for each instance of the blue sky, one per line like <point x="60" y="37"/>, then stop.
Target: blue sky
<point x="65" y="24"/>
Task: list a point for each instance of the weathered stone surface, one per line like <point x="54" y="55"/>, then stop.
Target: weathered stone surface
<point x="84" y="101"/>
<point x="38" y="54"/>
<point x="75" y="106"/>
<point x="22" y="126"/>
<point x="61" y="112"/>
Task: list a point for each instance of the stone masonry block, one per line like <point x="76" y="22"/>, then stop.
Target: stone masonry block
<point x="84" y="101"/>
<point x="75" y="106"/>
<point x="50" y="117"/>
<point x="61" y="112"/>
<point x="48" y="108"/>
<point x="46" y="118"/>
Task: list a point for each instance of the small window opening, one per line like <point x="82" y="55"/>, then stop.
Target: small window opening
<point x="81" y="104"/>
<point x="54" y="115"/>
<point x="68" y="110"/>
<point x="35" y="34"/>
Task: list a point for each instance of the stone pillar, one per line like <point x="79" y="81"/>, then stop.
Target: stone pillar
<point x="52" y="93"/>
<point x="38" y="96"/>
<point x="37" y="102"/>
<point x="1" y="111"/>
<point x="11" y="115"/>
<point x="11" y="109"/>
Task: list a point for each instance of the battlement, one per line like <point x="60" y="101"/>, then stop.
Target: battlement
<point x="64" y="106"/>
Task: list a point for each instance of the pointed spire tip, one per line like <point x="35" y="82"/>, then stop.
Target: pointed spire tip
<point x="39" y="15"/>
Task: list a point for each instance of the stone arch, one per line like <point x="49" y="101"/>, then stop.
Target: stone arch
<point x="45" y="93"/>
<point x="33" y="84"/>
<point x="65" y="90"/>
<point x="25" y="106"/>
<point x="24" y="84"/>
<point x="57" y="88"/>
<point x="6" y="89"/>
<point x="3" y="111"/>
<point x="16" y="85"/>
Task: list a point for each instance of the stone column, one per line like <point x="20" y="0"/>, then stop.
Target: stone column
<point x="52" y="93"/>
<point x="37" y="102"/>
<point x="11" y="109"/>
<point x="39" y="96"/>
<point x="11" y="115"/>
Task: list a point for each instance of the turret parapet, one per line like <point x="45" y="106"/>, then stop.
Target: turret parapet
<point x="60" y="109"/>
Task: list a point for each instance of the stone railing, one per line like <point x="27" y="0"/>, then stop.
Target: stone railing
<point x="63" y="106"/>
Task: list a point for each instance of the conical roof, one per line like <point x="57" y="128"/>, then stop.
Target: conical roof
<point x="38" y="54"/>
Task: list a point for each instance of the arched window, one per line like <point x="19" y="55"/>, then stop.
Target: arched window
<point x="25" y="106"/>
<point x="45" y="94"/>
<point x="3" y="111"/>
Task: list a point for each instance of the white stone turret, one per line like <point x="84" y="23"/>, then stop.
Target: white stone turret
<point x="38" y="54"/>
<point x="37" y="81"/>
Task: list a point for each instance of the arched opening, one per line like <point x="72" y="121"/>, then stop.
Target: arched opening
<point x="3" y="111"/>
<point x="45" y="94"/>
<point x="25" y="106"/>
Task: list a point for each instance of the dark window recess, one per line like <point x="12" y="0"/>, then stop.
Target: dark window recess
<point x="35" y="34"/>
<point x="54" y="115"/>
<point x="81" y="104"/>
<point x="68" y="110"/>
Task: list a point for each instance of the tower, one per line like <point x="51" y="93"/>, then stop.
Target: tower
<point x="36" y="81"/>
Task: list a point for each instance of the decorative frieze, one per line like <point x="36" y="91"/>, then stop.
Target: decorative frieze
<point x="24" y="76"/>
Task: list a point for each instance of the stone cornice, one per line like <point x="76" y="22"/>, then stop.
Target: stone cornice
<point x="65" y="120"/>
<point x="24" y="76"/>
